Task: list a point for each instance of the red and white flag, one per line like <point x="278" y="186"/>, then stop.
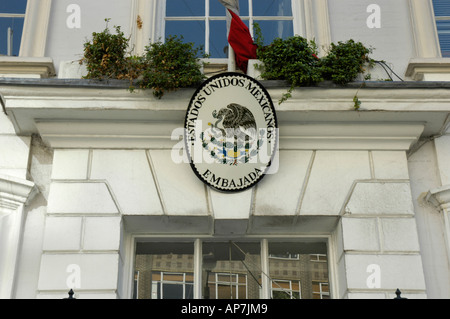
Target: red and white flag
<point x="239" y="36"/>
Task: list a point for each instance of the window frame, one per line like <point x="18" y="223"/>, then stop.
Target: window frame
<point x="445" y="53"/>
<point x="266" y="280"/>
<point x="322" y="293"/>
<point x="217" y="282"/>
<point x="160" y="18"/>
<point x="290" y="292"/>
<point x="22" y="16"/>
<point x="162" y="281"/>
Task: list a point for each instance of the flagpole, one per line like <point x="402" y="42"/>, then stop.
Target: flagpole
<point x="231" y="59"/>
<point x="231" y="56"/>
<point x="232" y="5"/>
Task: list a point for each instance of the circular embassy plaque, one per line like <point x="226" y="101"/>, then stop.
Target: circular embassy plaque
<point x="231" y="132"/>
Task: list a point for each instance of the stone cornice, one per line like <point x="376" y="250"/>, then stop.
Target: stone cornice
<point x="24" y="67"/>
<point x="82" y="113"/>
<point x="14" y="192"/>
<point x="420" y="67"/>
<point x="440" y="197"/>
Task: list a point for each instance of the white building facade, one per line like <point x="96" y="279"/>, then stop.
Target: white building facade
<point x="91" y="196"/>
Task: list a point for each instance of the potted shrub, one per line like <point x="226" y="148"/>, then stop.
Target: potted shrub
<point x="164" y="66"/>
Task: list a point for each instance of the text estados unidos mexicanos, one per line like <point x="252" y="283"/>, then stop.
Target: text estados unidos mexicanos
<point x="221" y="83"/>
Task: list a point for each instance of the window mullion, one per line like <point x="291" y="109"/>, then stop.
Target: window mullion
<point x="12" y="15"/>
<point x="198" y="265"/>
<point x="250" y="15"/>
<point x="265" y="279"/>
<point x="442" y="18"/>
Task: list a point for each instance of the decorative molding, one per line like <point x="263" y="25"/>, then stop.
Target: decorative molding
<point x="28" y="67"/>
<point x="164" y="135"/>
<point x="424" y="29"/>
<point x="350" y="136"/>
<point x="317" y="23"/>
<point x="15" y="192"/>
<point x="35" y="28"/>
<point x="109" y="134"/>
<point x="84" y="113"/>
<point x="421" y="69"/>
<point x="142" y="10"/>
<point x="440" y="197"/>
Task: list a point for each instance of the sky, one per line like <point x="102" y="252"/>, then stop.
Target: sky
<point x="11" y="6"/>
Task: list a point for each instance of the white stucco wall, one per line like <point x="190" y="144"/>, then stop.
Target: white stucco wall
<point x="66" y="42"/>
<point x="378" y="225"/>
<point x="392" y="42"/>
<point x="425" y="175"/>
<point x="102" y="173"/>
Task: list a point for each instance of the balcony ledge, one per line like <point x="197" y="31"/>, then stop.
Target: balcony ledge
<point x="429" y="69"/>
<point x="26" y="67"/>
<point x="85" y="113"/>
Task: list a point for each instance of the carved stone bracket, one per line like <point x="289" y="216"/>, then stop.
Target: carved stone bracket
<point x="14" y="194"/>
<point x="440" y="197"/>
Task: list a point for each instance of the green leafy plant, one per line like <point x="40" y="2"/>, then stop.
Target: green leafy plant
<point x="295" y="60"/>
<point x="171" y="65"/>
<point x="105" y="55"/>
<point x="345" y="61"/>
<point x="164" y="66"/>
<point x="356" y="102"/>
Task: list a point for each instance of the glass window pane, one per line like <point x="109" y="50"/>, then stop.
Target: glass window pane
<point x="275" y="29"/>
<point x="172" y="291"/>
<point x="272" y="8"/>
<point x="231" y="270"/>
<point x="441" y="8"/>
<point x="243" y="8"/>
<point x="218" y="43"/>
<point x="165" y="270"/>
<point x="191" y="31"/>
<point x="302" y="275"/>
<point x="216" y="9"/>
<point x="185" y="8"/>
<point x="443" y="27"/>
<point x="16" y="24"/>
<point x="13" y="6"/>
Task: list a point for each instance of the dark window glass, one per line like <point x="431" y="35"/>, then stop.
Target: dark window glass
<point x="442" y="14"/>
<point x="218" y="44"/>
<point x="272" y="29"/>
<point x="298" y="270"/>
<point x="443" y="27"/>
<point x="272" y="8"/>
<point x="13" y="6"/>
<point x="203" y="22"/>
<point x="164" y="271"/>
<point x="184" y="8"/>
<point x="15" y="26"/>
<point x="232" y="270"/>
<point x="441" y="8"/>
<point x="12" y="16"/>
<point x="216" y="9"/>
<point x="191" y="31"/>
